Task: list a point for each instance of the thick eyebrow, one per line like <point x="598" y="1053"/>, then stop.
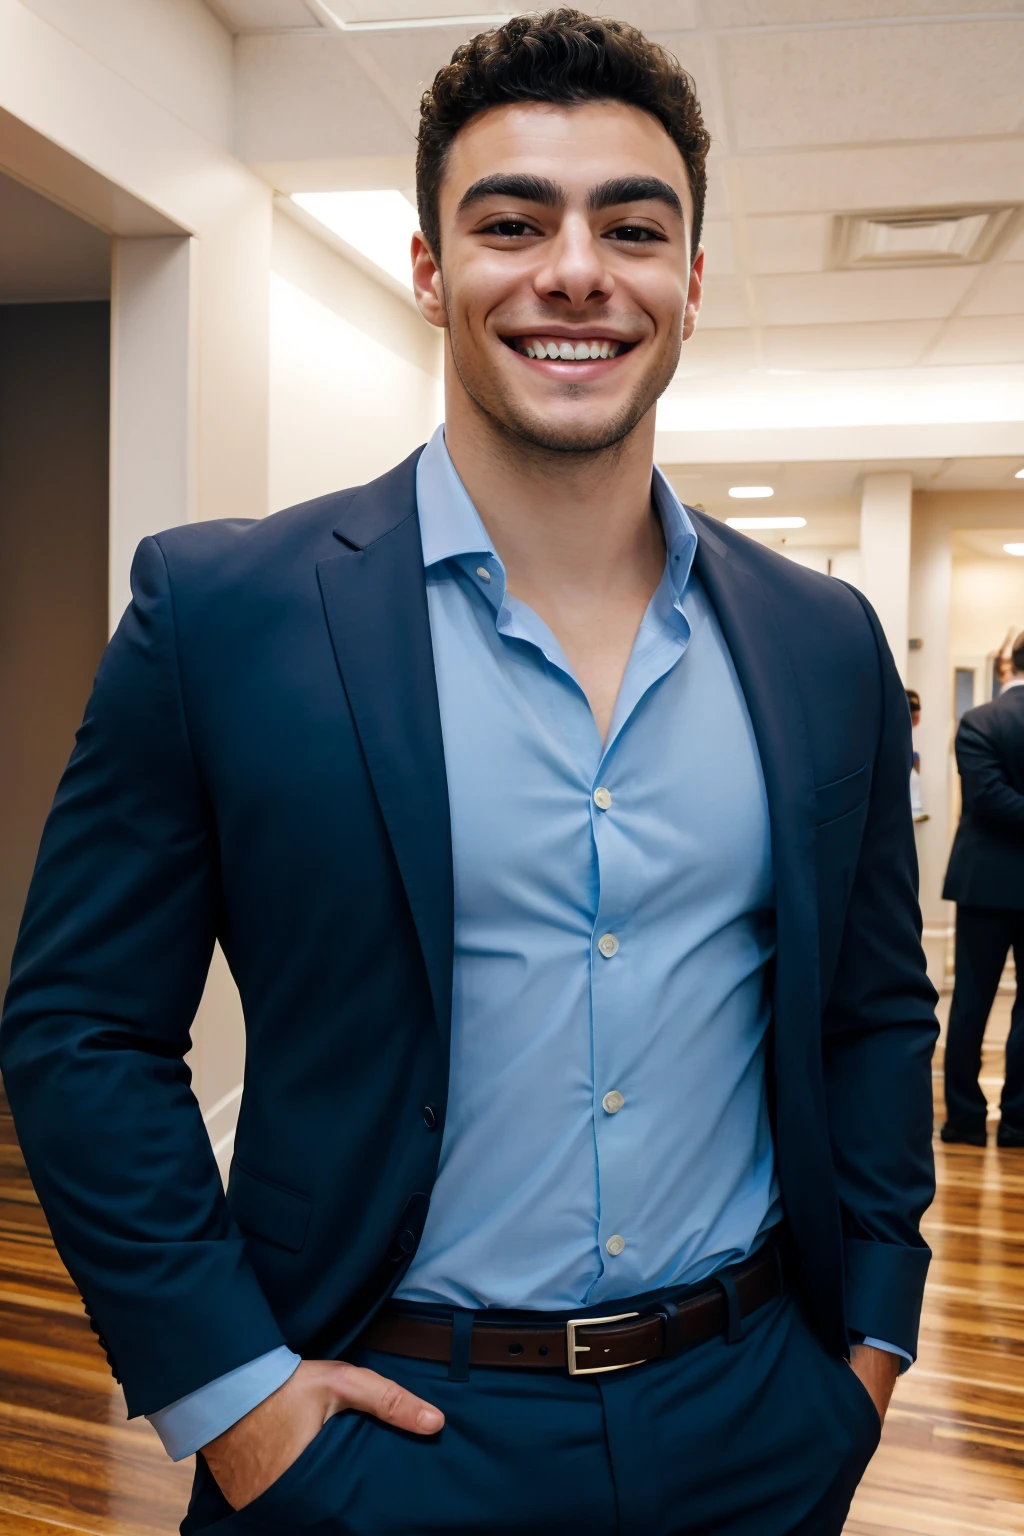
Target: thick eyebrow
<point x="634" y="189"/>
<point x="524" y="189"/>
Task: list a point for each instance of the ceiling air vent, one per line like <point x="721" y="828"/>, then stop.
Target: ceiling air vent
<point x="923" y="237"/>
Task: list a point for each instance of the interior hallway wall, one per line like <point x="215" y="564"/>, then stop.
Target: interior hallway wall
<point x="354" y="371"/>
<point x="936" y="514"/>
<point x="54" y="435"/>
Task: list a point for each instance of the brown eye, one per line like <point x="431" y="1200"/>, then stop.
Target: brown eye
<point x="636" y="234"/>
<point x="509" y="229"/>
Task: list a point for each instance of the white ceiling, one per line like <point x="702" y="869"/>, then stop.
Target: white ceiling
<point x="47" y="254"/>
<point x="986" y="541"/>
<point x="817" y="107"/>
<point x="828" y="495"/>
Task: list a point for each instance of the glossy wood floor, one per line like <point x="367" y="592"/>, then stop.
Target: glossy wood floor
<point x="951" y="1461"/>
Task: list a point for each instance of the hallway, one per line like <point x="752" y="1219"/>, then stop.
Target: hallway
<point x="951" y="1461"/>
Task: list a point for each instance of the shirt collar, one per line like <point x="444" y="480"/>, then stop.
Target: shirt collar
<point x="450" y="526"/>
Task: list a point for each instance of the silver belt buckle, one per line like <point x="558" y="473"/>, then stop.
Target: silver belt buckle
<point x="573" y="1349"/>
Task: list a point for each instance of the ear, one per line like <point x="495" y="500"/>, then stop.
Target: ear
<point x="427" y="285"/>
<point x="694" y="295"/>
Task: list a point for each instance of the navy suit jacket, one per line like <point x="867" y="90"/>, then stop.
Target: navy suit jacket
<point x="261" y="762"/>
<point x="986" y="866"/>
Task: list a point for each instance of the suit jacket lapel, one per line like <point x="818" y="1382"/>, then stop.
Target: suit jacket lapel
<point x="780" y="727"/>
<point x="374" y="595"/>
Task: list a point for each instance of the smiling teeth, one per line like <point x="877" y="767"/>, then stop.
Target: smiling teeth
<point x="569" y="352"/>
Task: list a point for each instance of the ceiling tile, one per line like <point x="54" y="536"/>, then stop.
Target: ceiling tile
<point x="852" y="86"/>
<point x="254" y="15"/>
<point x="1015" y="250"/>
<point x="653" y="16"/>
<point x="306" y="98"/>
<point x="799" y="243"/>
<point x="988" y="339"/>
<point x="766" y="13"/>
<point x="405" y="63"/>
<point x="851" y="345"/>
<point x="822" y="298"/>
<point x="1000" y="292"/>
<point x="873" y="178"/>
<point x="725" y="304"/>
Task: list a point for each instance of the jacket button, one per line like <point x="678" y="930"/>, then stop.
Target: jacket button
<point x="430" y="1117"/>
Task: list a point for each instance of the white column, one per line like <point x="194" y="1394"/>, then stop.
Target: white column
<point x="930" y="674"/>
<point x="885" y="511"/>
<point x="152" y="398"/>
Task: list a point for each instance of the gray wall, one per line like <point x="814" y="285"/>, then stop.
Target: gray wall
<point x="54" y="452"/>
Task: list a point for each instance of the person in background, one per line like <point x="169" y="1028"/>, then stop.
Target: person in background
<point x="986" y="880"/>
<point x="916" y="803"/>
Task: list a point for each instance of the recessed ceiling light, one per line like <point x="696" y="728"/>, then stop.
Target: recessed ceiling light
<point x="775" y="522"/>
<point x="750" y="492"/>
<point x="1014" y="549"/>
<point x="379" y="225"/>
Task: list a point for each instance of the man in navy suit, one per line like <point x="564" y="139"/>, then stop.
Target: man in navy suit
<point x="587" y="1117"/>
<point x="986" y="880"/>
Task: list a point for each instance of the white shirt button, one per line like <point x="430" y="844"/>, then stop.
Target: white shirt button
<point x="615" y="1245"/>
<point x="608" y="944"/>
<point x="483" y="573"/>
<point x="602" y="799"/>
<point x="613" y="1101"/>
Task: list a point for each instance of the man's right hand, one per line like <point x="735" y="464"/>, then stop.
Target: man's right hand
<point x="257" y="1450"/>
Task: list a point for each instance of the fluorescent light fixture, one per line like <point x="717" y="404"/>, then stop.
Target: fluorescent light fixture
<point x="750" y="492"/>
<point x="745" y="524"/>
<point x="1013" y="549"/>
<point x="337" y="23"/>
<point x="379" y="225"/>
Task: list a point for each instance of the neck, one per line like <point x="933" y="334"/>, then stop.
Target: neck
<point x="560" y="521"/>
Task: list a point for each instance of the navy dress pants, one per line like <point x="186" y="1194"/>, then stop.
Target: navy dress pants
<point x="984" y="935"/>
<point x="767" y="1436"/>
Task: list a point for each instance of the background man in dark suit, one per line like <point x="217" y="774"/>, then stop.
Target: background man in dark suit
<point x="986" y="880"/>
<point x="587" y="1117"/>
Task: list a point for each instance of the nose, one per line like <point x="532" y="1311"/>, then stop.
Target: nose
<point x="574" y="268"/>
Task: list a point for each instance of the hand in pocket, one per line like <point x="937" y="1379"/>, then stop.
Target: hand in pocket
<point x="247" y="1458"/>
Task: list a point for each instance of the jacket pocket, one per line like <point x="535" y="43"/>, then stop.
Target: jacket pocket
<point x="268" y="1210"/>
<point x="841" y="796"/>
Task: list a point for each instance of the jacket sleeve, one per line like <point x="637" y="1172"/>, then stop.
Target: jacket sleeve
<point x="107" y="976"/>
<point x="879" y="1034"/>
<point x="987" y="792"/>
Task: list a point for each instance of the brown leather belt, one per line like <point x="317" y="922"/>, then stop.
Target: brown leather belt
<point x="587" y="1345"/>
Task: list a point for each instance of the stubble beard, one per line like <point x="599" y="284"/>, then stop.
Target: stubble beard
<point x="505" y="411"/>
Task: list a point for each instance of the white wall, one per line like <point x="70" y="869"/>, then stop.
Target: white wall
<point x="987" y="600"/>
<point x="939" y="621"/>
<point x="354" y="371"/>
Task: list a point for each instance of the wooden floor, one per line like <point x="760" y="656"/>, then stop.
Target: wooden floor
<point x="951" y="1461"/>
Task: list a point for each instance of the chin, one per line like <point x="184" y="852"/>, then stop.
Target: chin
<point x="570" y="436"/>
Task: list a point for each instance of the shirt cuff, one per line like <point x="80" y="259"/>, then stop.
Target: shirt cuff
<point x="199" y="1417"/>
<point x="906" y="1361"/>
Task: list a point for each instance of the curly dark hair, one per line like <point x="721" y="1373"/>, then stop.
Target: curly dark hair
<point x="564" y="57"/>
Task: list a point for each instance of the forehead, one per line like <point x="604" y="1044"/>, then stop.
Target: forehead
<point x="578" y="147"/>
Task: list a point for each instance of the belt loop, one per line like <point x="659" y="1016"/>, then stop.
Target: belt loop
<point x="734" y="1327"/>
<point x="462" y="1343"/>
<point x="669" y="1312"/>
<point x="779" y="1265"/>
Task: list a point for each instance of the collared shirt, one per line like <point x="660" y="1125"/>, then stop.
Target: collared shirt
<point x="607" y="1125"/>
<point x="607" y="1129"/>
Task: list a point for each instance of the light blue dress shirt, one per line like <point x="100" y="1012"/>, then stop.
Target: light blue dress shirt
<point x="607" y="1126"/>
